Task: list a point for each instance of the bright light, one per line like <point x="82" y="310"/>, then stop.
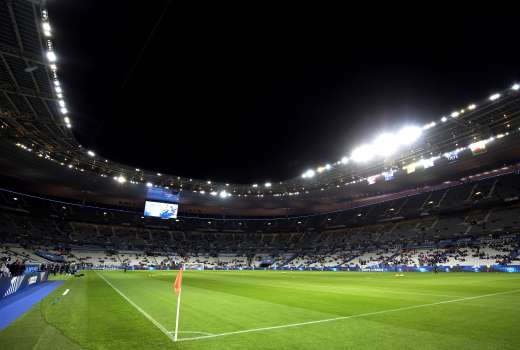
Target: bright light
<point x="121" y="179"/>
<point x="67" y="120"/>
<point x="344" y="160"/>
<point x="69" y="126"/>
<point x="267" y="184"/>
<point x="213" y="193"/>
<point x="455" y="114"/>
<point x="444" y="119"/>
<point x="255" y="185"/>
<point x="472" y="106"/>
<point x="362" y="153"/>
<point x="61" y="103"/>
<point x="385" y="145"/>
<point x="494" y="97"/>
<point x="320" y="169"/>
<point x="409" y="134"/>
<point x="223" y="194"/>
<point x="46" y="28"/>
<point x="63" y="110"/>
<point x="149" y="184"/>
<point x="327" y="166"/>
<point x="51" y="56"/>
<point x="516" y="87"/>
<point x="308" y="174"/>
<point x="90" y="153"/>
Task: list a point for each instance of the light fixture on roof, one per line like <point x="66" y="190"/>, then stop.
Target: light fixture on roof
<point x="494" y="97"/>
<point x="344" y="160"/>
<point x="309" y="174"/>
<point x="362" y="153"/>
<point x="472" y="106"/>
<point x="149" y="184"/>
<point x="223" y="194"/>
<point x="444" y="119"/>
<point x="66" y="120"/>
<point x="515" y="87"/>
<point x="121" y="179"/>
<point x="51" y="56"/>
<point x="64" y="110"/>
<point x="385" y="144"/>
<point x="255" y="185"/>
<point x="267" y="184"/>
<point x="46" y="28"/>
<point x="90" y="153"/>
<point x="213" y="193"/>
<point x="409" y="134"/>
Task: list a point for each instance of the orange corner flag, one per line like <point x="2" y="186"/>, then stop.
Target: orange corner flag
<point x="178" y="282"/>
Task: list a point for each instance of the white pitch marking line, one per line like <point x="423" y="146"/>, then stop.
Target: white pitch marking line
<point x="192" y="332"/>
<point x="348" y="317"/>
<point x="145" y="314"/>
<point x="66" y="292"/>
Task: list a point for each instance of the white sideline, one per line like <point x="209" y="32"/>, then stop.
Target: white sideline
<point x="348" y="317"/>
<point x="66" y="292"/>
<point x="145" y="314"/>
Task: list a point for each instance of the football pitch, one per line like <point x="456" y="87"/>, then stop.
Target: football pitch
<point x="275" y="310"/>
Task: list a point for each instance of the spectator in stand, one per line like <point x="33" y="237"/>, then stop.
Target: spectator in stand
<point x="4" y="270"/>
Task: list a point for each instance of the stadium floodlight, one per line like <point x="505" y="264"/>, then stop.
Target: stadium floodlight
<point x="408" y="135"/>
<point x="51" y="56"/>
<point x="46" y="28"/>
<point x="267" y="184"/>
<point x="385" y="145"/>
<point x="64" y="110"/>
<point x="58" y="90"/>
<point x="327" y="166"/>
<point x="255" y="185"/>
<point x="444" y="119"/>
<point x="61" y="103"/>
<point x="202" y="192"/>
<point x="223" y="194"/>
<point x="320" y="169"/>
<point x="66" y="120"/>
<point x="90" y="153"/>
<point x="494" y="97"/>
<point x="472" y="106"/>
<point x="149" y="184"/>
<point x="213" y="193"/>
<point x="344" y="160"/>
<point x="515" y="87"/>
<point x="455" y="114"/>
<point x="309" y="174"/>
<point x="69" y="126"/>
<point x="121" y="179"/>
<point x="363" y="153"/>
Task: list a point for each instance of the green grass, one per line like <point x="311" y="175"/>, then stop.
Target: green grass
<point x="420" y="310"/>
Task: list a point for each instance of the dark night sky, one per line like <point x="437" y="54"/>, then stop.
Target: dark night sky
<point x="246" y="95"/>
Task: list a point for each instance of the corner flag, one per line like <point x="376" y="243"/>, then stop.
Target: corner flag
<point x="177" y="288"/>
<point x="178" y="282"/>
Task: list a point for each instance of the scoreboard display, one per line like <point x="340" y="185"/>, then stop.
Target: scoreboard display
<point x="161" y="203"/>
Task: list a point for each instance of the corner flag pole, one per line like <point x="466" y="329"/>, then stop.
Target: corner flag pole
<point x="177" y="286"/>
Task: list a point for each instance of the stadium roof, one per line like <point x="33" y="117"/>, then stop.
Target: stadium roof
<point x="35" y="117"/>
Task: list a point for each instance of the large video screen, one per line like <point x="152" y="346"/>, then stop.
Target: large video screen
<point x="162" y="195"/>
<point x="161" y="210"/>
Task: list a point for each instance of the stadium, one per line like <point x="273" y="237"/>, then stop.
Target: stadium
<point x="410" y="238"/>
